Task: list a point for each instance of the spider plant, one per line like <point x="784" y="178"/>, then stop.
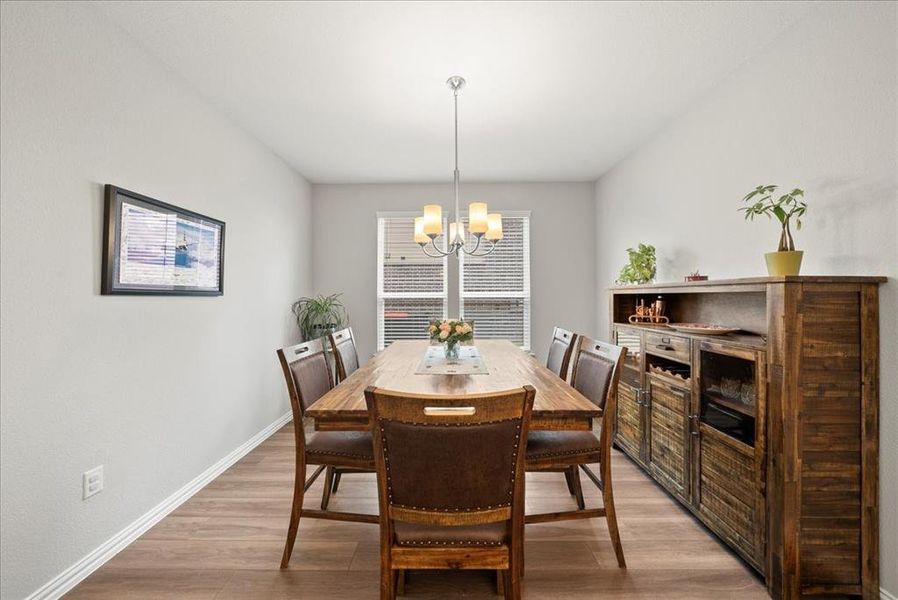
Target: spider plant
<point x="319" y="315"/>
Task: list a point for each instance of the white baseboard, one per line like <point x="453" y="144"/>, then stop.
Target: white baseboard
<point x="884" y="595"/>
<point x="75" y="574"/>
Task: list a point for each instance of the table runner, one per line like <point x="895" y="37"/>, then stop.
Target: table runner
<point x="469" y="362"/>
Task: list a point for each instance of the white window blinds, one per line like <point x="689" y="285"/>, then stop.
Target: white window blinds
<point x="411" y="287"/>
<point x="494" y="291"/>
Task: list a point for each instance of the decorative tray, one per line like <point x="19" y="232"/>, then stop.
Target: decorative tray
<point x="702" y="328"/>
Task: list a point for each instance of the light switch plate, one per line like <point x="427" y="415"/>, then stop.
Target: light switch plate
<point x="92" y="482"/>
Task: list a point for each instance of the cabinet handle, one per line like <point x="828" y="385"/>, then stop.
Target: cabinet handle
<point x="665" y="347"/>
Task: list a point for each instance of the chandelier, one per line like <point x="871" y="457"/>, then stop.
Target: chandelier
<point x="481" y="223"/>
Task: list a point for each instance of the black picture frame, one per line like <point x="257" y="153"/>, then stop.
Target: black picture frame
<point x="149" y="277"/>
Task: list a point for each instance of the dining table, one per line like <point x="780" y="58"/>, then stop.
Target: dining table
<point x="557" y="405"/>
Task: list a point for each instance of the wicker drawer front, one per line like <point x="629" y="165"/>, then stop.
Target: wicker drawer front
<point x="727" y="496"/>
<point x="669" y="346"/>
<point x="629" y="433"/>
<point x="630" y="376"/>
<point x="668" y="446"/>
<point x="669" y="396"/>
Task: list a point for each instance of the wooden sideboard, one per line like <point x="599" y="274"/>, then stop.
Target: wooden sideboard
<point x="769" y="436"/>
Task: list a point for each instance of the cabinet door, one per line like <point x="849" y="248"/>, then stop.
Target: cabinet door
<point x="730" y="447"/>
<point x="631" y="339"/>
<point x="669" y="427"/>
<point x="629" y="420"/>
<point x="728" y="501"/>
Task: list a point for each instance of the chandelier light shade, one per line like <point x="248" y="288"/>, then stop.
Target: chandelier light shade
<point x="494" y="227"/>
<point x="482" y="224"/>
<point x="477" y="217"/>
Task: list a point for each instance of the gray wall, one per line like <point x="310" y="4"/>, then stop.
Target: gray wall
<point x="561" y="240"/>
<point x="155" y="389"/>
<point x="816" y="110"/>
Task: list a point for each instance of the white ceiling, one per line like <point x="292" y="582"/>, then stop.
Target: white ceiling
<point x="355" y="91"/>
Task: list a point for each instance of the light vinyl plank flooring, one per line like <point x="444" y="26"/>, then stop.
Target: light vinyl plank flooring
<point x="225" y="543"/>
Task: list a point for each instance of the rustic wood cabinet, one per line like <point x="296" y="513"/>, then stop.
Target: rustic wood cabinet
<point x="769" y="436"/>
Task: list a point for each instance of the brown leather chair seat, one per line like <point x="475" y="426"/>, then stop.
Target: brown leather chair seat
<point x="351" y="444"/>
<point x="416" y="534"/>
<point x="546" y="444"/>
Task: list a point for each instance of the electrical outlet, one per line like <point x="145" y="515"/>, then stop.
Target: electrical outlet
<point x="92" y="482"/>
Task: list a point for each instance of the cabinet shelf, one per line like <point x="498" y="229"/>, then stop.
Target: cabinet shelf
<point x="740" y="407"/>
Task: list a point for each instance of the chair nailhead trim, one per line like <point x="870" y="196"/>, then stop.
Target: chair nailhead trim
<point x="565" y="453"/>
<point x="448" y="543"/>
<point x="346" y="454"/>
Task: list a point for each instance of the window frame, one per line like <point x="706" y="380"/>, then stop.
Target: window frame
<point x="382" y="296"/>
<point x="526" y="293"/>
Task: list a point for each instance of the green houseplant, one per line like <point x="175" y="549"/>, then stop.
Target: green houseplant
<point x="764" y="201"/>
<point x="641" y="268"/>
<point x="319" y="315"/>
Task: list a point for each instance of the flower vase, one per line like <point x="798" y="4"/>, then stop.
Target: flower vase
<point x="451" y="352"/>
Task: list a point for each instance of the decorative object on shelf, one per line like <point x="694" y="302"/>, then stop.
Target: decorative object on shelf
<point x="641" y="268"/>
<point x="786" y="260"/>
<point x="695" y="276"/>
<point x="481" y="223"/>
<point x="653" y="313"/>
<point x="703" y="328"/>
<point x="154" y="248"/>
<point x="450" y="332"/>
<point x="320" y="315"/>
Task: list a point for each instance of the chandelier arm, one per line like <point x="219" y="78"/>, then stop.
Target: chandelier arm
<point x="487" y="252"/>
<point x="439" y="253"/>
<point x="474" y="249"/>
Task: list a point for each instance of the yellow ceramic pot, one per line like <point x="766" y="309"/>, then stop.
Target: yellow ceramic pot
<point x="783" y="263"/>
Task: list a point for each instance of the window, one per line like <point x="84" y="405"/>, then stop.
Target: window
<point x="411" y="287"/>
<point x="494" y="291"/>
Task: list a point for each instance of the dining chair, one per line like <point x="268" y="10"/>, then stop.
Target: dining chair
<point x="308" y="377"/>
<point x="596" y="371"/>
<point x="450" y="479"/>
<point x="560" y="351"/>
<point x="346" y="357"/>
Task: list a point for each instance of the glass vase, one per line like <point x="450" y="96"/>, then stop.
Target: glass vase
<point x="451" y="351"/>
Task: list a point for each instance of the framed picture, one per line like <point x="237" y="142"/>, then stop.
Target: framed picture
<point x="154" y="248"/>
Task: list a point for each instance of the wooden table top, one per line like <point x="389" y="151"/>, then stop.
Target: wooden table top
<point x="557" y="404"/>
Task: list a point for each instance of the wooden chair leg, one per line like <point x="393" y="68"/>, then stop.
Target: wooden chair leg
<point x="299" y="489"/>
<point x="570" y="483"/>
<point x="500" y="582"/>
<point x="611" y="517"/>
<point x="387" y="581"/>
<point x="515" y="573"/>
<point x="400" y="582"/>
<point x="337" y="474"/>
<point x="328" y="484"/>
<point x="578" y="488"/>
<point x="506" y="583"/>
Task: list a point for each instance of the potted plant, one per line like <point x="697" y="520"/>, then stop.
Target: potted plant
<point x="763" y="201"/>
<point x="319" y="316"/>
<point x="641" y="268"/>
<point x="450" y="333"/>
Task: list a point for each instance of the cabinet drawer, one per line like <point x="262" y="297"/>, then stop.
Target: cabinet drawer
<point x="670" y="346"/>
